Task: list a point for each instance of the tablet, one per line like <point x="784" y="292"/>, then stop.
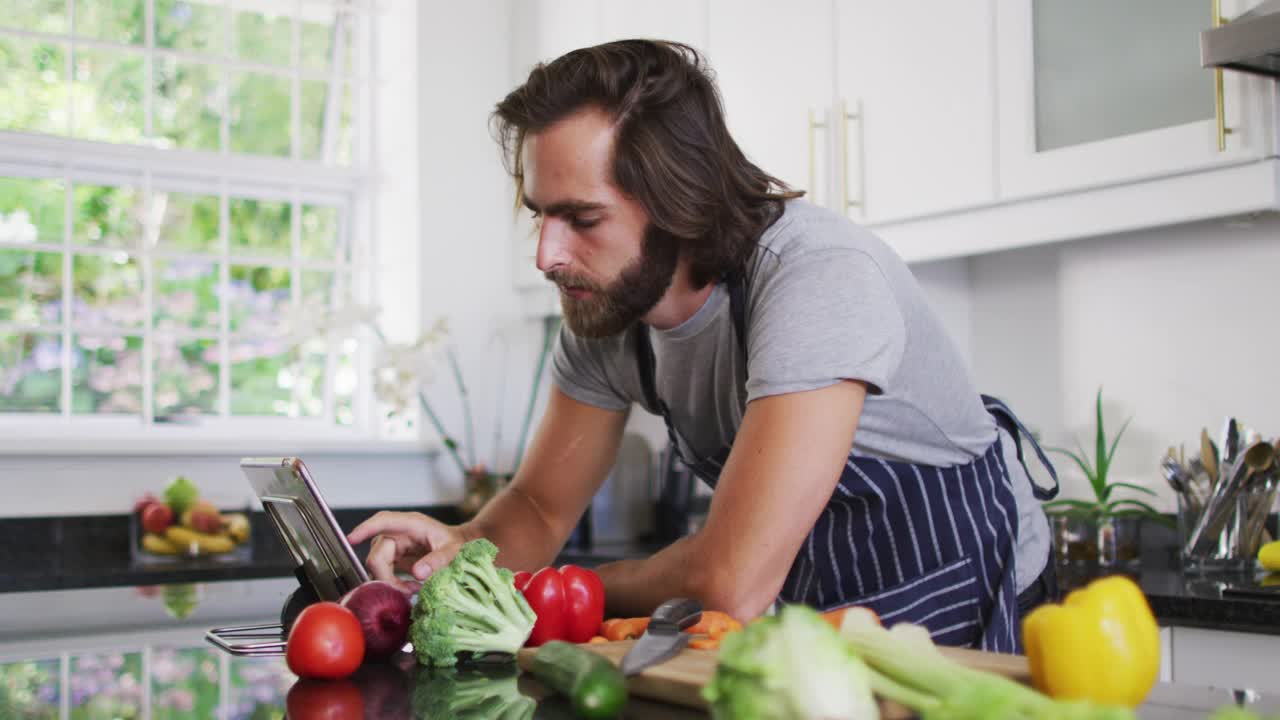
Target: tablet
<point x="306" y="525"/>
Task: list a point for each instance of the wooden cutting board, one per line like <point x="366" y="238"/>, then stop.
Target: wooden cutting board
<point x="680" y="680"/>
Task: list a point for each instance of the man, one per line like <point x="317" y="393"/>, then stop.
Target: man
<point x="791" y="354"/>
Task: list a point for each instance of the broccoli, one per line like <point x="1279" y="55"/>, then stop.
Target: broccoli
<point x="794" y="665"/>
<point x="482" y="694"/>
<point x="469" y="606"/>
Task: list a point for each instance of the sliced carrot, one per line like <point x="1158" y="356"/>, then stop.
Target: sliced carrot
<point x="713" y="622"/>
<point x="704" y="643"/>
<point x="624" y="628"/>
<point x="598" y="639"/>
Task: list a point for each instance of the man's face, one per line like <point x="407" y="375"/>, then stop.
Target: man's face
<point x="594" y="242"/>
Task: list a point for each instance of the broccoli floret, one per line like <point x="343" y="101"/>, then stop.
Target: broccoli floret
<point x="483" y="694"/>
<point x="469" y="606"/>
<point x="792" y="666"/>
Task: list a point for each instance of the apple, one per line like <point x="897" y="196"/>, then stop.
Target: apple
<point x="156" y="518"/>
<point x="205" y="517"/>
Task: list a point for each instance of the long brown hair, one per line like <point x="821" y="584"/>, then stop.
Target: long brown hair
<point x="672" y="152"/>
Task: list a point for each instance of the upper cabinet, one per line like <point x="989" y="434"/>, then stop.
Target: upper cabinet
<point x="1096" y="93"/>
<point x="776" y="73"/>
<point x="916" y="95"/>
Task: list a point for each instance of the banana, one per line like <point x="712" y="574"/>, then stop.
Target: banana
<point x="155" y="544"/>
<point x="236" y="525"/>
<point x="198" y="543"/>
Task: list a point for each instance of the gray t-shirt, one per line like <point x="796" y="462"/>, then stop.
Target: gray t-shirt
<point x="826" y="300"/>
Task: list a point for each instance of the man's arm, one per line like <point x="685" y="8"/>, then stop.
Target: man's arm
<point x="784" y="465"/>
<point x="568" y="460"/>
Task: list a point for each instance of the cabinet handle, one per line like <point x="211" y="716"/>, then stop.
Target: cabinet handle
<point x="848" y="117"/>
<point x="815" y="125"/>
<point x="1218" y="111"/>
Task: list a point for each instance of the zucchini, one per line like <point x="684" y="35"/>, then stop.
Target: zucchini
<point x="593" y="685"/>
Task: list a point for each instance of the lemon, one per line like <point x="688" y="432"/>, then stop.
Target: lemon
<point x="1269" y="555"/>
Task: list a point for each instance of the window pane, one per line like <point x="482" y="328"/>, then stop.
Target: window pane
<point x="30" y="372"/>
<point x="49" y="16"/>
<point x="107" y="291"/>
<point x="258" y="113"/>
<point x="187" y="222"/>
<point x="30" y="287"/>
<point x="262" y="37"/>
<point x="107" y="215"/>
<point x="326" y="44"/>
<point x="121" y="21"/>
<point x="327" y="128"/>
<point x="317" y="289"/>
<point x="30" y="689"/>
<point x="345" y="383"/>
<point x="106" y="374"/>
<point x="260" y="227"/>
<point x="258" y="688"/>
<point x="186" y="376"/>
<point x="309" y="378"/>
<point x="191" y="26"/>
<point x="258" y="299"/>
<point x="33" y="96"/>
<point x="262" y="377"/>
<point x="31" y="210"/>
<point x="108" y="95"/>
<point x="186" y="294"/>
<point x="184" y="683"/>
<point x="188" y="108"/>
<point x="320" y="233"/>
<point x="106" y="685"/>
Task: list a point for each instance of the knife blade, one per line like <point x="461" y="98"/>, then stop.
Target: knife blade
<point x="663" y="638"/>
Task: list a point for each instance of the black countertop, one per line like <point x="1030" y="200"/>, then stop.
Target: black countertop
<point x="86" y="552"/>
<point x="123" y="651"/>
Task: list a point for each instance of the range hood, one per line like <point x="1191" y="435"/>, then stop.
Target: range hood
<point x="1249" y="43"/>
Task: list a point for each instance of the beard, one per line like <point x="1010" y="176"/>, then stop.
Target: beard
<point x="612" y="308"/>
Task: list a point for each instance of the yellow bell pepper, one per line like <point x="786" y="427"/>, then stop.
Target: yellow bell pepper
<point x="1100" y="644"/>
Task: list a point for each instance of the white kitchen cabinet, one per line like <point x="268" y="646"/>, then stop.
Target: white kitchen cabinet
<point x="1219" y="658"/>
<point x="1093" y="94"/>
<point x="776" y="102"/>
<point x="678" y="20"/>
<point x="1166" y="654"/>
<point x="917" y="80"/>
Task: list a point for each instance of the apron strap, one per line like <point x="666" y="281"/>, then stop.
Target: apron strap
<point x="1012" y="425"/>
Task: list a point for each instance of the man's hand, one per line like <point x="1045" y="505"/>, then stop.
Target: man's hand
<point x="406" y="542"/>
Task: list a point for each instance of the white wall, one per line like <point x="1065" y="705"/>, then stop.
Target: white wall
<point x="1180" y="326"/>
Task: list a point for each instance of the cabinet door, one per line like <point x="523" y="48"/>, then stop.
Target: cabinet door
<point x="776" y="73"/>
<point x="917" y="81"/>
<point x="1095" y="93"/>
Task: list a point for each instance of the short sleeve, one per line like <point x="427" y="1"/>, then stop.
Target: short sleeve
<point x="819" y="317"/>
<point x="578" y="369"/>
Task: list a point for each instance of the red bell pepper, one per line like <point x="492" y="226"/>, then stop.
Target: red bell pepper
<point x="569" y="603"/>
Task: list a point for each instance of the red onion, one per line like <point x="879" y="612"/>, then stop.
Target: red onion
<point x="383" y="612"/>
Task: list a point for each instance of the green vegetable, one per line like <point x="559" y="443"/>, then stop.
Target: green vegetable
<point x="792" y="665"/>
<point x="181" y="494"/>
<point x="469" y="606"/>
<point x="906" y="667"/>
<point x="593" y="685"/>
<point x="476" y="693"/>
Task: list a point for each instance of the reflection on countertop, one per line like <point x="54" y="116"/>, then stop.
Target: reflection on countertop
<point x="111" y="652"/>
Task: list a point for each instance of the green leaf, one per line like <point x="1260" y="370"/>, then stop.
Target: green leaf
<point x="1116" y="441"/>
<point x="1131" y="486"/>
<point x="1129" y="502"/>
<point x="1075" y="508"/>
<point x="1101" y="452"/>
<point x="1080" y="460"/>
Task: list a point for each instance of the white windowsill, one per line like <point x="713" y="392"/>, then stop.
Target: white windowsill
<point x="164" y="444"/>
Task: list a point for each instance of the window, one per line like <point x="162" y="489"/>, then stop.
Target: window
<point x="179" y="179"/>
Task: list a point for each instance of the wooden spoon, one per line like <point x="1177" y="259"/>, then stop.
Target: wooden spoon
<point x="1209" y="456"/>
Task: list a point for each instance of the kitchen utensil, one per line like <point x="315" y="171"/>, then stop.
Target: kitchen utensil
<point x="680" y="680"/>
<point x="664" y="637"/>
<point x="1208" y="455"/>
<point x="1238" y="468"/>
<point x="1175" y="474"/>
<point x="1230" y="444"/>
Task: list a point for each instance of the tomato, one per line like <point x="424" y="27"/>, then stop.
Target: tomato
<point x="310" y="699"/>
<point x="325" y="642"/>
<point x="156" y="518"/>
<point x="584" y="603"/>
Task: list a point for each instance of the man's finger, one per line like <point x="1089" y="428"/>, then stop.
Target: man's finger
<point x="434" y="560"/>
<point x="386" y="523"/>
<point x="381" y="559"/>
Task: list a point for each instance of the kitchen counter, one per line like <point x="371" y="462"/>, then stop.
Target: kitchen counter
<point x="125" y="652"/>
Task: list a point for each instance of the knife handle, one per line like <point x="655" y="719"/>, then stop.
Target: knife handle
<point x="675" y="615"/>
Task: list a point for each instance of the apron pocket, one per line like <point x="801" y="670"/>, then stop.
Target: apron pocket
<point x="946" y="600"/>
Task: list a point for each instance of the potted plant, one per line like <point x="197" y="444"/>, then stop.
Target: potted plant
<point x="1103" y="530"/>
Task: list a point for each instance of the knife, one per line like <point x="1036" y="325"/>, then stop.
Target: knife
<point x="664" y="637"/>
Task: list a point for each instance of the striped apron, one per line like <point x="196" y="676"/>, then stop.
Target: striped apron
<point x="934" y="546"/>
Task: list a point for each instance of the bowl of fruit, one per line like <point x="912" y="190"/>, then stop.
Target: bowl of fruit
<point x="181" y="525"/>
